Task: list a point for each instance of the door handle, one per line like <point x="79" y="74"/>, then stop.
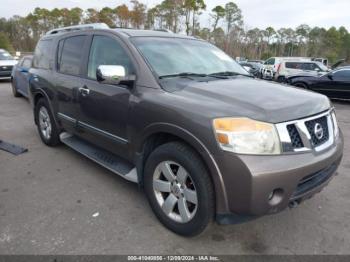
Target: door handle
<point x="84" y="91"/>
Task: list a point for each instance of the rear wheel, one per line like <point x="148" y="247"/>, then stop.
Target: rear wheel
<point x="179" y="189"/>
<point x="47" y="128"/>
<point x="14" y="89"/>
<point x="301" y="85"/>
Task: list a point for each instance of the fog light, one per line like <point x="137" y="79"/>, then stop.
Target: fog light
<point x="275" y="197"/>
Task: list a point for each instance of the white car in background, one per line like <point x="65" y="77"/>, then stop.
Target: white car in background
<point x="270" y="66"/>
<point x="290" y="68"/>
<point x="6" y="64"/>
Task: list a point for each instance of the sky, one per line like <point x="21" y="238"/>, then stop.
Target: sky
<point x="256" y="13"/>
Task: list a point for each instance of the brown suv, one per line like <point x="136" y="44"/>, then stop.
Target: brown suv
<point x="183" y="120"/>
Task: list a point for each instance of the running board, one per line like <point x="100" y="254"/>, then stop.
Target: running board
<point x="104" y="158"/>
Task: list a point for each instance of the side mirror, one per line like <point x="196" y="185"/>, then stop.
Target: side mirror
<point x="113" y="75"/>
<point x="317" y="69"/>
<point x="330" y="76"/>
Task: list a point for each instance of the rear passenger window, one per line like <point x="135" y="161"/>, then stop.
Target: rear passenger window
<point x="293" y="65"/>
<point x="42" y="55"/>
<point x="309" y="66"/>
<point x="107" y="51"/>
<point x="70" y="55"/>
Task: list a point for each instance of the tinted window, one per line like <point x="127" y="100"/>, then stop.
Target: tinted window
<point x="107" y="51"/>
<point x="27" y="63"/>
<point x="342" y="75"/>
<point x="293" y="65"/>
<point x="309" y="66"/>
<point x="70" y="54"/>
<point x="42" y="55"/>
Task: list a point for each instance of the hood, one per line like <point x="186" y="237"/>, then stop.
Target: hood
<point x="8" y="62"/>
<point x="248" y="97"/>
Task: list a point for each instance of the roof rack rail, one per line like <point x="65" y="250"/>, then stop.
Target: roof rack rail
<point x="77" y="27"/>
<point x="164" y="30"/>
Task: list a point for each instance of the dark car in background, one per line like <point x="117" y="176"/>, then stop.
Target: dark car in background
<point x="7" y="61"/>
<point x="252" y="67"/>
<point x="20" y="77"/>
<point x="334" y="84"/>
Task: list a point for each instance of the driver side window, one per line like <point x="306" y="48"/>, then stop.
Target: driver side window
<point x="107" y="51"/>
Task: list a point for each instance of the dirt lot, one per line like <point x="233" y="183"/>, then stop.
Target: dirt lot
<point x="48" y="197"/>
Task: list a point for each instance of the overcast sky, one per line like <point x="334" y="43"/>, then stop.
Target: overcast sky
<point x="256" y="13"/>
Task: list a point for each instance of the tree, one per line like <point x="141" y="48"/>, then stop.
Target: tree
<point x="138" y="14"/>
<point x="218" y="13"/>
<point x="233" y="15"/>
<point x="5" y="42"/>
<point x="123" y="15"/>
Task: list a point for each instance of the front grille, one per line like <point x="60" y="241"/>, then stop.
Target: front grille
<point x="294" y="136"/>
<point x="311" y="128"/>
<point x="5" y="68"/>
<point x="312" y="181"/>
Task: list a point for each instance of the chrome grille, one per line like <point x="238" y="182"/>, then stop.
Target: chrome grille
<point x="311" y="127"/>
<point x="312" y="133"/>
<point x="294" y="136"/>
<point x="6" y="68"/>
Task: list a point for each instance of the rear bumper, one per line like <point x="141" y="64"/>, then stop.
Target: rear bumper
<point x="260" y="185"/>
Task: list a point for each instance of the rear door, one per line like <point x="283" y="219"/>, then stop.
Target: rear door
<point x="70" y="55"/>
<point x="104" y="108"/>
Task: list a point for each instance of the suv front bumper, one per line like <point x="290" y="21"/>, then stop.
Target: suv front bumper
<point x="259" y="185"/>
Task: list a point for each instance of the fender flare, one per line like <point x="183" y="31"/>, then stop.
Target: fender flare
<point x="201" y="149"/>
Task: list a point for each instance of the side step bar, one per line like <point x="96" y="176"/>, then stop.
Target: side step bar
<point x="104" y="158"/>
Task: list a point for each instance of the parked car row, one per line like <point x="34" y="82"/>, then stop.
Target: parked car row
<point x="7" y="61"/>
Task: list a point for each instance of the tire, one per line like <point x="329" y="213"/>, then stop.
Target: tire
<point x="14" y="89"/>
<point x="198" y="215"/>
<point x="301" y="85"/>
<point x="42" y="107"/>
<point x="281" y="79"/>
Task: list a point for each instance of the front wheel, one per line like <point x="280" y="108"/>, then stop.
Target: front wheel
<point x="47" y="128"/>
<point x="179" y="189"/>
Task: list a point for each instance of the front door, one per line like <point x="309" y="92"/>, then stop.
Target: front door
<point x="104" y="108"/>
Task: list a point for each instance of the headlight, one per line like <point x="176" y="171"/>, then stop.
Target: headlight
<point x="247" y="136"/>
<point x="335" y="124"/>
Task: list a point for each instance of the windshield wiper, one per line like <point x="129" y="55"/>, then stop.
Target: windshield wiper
<point x="185" y="74"/>
<point x="229" y="73"/>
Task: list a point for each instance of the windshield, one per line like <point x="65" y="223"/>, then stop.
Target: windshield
<point x="172" y="56"/>
<point x="5" y="56"/>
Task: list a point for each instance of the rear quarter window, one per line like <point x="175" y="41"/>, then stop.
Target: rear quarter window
<point x="293" y="65"/>
<point x="42" y="55"/>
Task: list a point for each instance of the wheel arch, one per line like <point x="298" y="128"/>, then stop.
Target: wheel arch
<point x="40" y="93"/>
<point x="161" y="133"/>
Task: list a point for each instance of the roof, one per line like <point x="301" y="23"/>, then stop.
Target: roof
<point x="155" y="33"/>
